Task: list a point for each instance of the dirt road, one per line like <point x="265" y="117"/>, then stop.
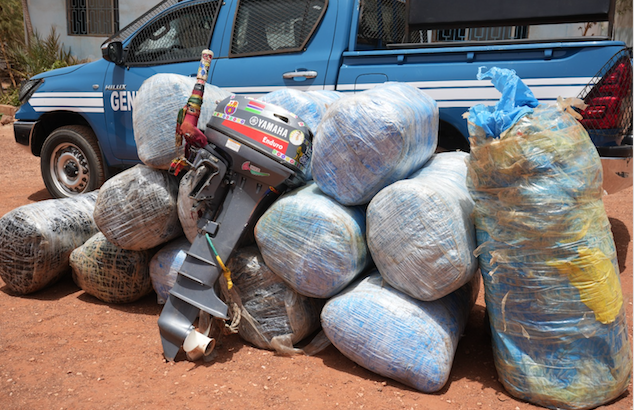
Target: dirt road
<point x="63" y="349"/>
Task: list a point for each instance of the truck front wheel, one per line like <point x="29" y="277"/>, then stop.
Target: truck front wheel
<point x="71" y="162"/>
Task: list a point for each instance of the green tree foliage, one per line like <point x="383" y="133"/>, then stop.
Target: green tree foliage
<point x="623" y="6"/>
<point x="26" y="60"/>
<point x="11" y="22"/>
<point x="40" y="55"/>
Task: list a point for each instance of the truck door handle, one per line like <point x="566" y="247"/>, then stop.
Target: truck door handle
<point x="295" y="74"/>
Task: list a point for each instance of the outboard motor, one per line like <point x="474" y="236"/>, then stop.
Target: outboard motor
<point x="255" y="152"/>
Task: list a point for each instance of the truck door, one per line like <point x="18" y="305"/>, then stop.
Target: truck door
<point x="171" y="42"/>
<point x="275" y="44"/>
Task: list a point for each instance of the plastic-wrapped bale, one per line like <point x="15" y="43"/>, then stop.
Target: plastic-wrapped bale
<point x="37" y="239"/>
<point x="326" y="97"/>
<point x="136" y="209"/>
<point x="312" y="242"/>
<point x="110" y="273"/>
<point x="546" y="251"/>
<point x="369" y="140"/>
<point x="310" y="106"/>
<point x="156" y="107"/>
<point x="392" y="334"/>
<point x="420" y="230"/>
<point x="164" y="267"/>
<point x="273" y="315"/>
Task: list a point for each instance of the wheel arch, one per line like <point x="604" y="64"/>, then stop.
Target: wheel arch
<point x="50" y="121"/>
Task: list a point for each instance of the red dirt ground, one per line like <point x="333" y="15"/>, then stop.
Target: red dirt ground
<point x="63" y="349"/>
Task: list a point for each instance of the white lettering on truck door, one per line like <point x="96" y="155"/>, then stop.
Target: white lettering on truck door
<point x="122" y="100"/>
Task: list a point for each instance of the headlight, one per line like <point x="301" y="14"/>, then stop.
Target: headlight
<point x="28" y="88"/>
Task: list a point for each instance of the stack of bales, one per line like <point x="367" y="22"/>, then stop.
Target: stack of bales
<point x="382" y="231"/>
<point x="383" y="234"/>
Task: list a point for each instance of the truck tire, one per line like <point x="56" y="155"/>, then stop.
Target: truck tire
<point x="71" y="162"/>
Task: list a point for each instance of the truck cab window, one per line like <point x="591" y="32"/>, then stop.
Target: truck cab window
<point x="383" y="23"/>
<point x="275" y="26"/>
<point x="178" y="36"/>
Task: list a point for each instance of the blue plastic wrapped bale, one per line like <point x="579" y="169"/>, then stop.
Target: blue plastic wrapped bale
<point x="315" y="244"/>
<point x="37" y="239"/>
<point x="385" y="331"/>
<point x="110" y="273"/>
<point x="137" y="208"/>
<point x="156" y="107"/>
<point x="272" y="315"/>
<point x="326" y="97"/>
<point x="310" y="106"/>
<point x="546" y="252"/>
<point x="164" y="267"/>
<point x="420" y="230"/>
<point x="369" y="140"/>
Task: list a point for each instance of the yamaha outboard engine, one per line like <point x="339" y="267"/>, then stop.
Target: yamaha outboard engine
<point x="256" y="151"/>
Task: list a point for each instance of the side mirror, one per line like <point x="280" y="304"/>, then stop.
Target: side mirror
<point x="113" y="52"/>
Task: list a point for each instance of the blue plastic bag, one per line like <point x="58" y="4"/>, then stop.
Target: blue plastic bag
<point x="547" y="255"/>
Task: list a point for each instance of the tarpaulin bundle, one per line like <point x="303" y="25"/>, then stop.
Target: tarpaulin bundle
<point x="312" y="242"/>
<point x="397" y="336"/>
<point x="368" y="140"/>
<point x="420" y="230"/>
<point x="272" y="315"/>
<point x="110" y="273"/>
<point x="136" y="209"/>
<point x="546" y="253"/>
<point x="37" y="239"/>
<point x="155" y="114"/>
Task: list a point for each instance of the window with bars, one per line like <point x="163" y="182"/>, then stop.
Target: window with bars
<point x="274" y="26"/>
<point x="92" y="17"/>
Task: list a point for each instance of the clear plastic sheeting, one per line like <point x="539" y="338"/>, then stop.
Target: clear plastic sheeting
<point x="109" y="273"/>
<point x="37" y="239"/>
<point x="136" y="209"/>
<point x="385" y="331"/>
<point x="189" y="209"/>
<point x="155" y="112"/>
<point x="369" y="140"/>
<point x="310" y="106"/>
<point x="164" y="267"/>
<point x="272" y="315"/>
<point x="312" y="242"/>
<point x="420" y="231"/>
<point x="548" y="259"/>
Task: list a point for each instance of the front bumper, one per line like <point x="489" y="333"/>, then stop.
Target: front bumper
<point x="617" y="167"/>
<point x="23" y="130"/>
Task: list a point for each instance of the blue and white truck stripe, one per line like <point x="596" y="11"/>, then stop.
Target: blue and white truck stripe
<point x="88" y="102"/>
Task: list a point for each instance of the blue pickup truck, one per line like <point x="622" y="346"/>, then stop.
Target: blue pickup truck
<point x="78" y="119"/>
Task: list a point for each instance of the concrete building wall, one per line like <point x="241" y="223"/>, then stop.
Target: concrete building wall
<point x="51" y="14"/>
